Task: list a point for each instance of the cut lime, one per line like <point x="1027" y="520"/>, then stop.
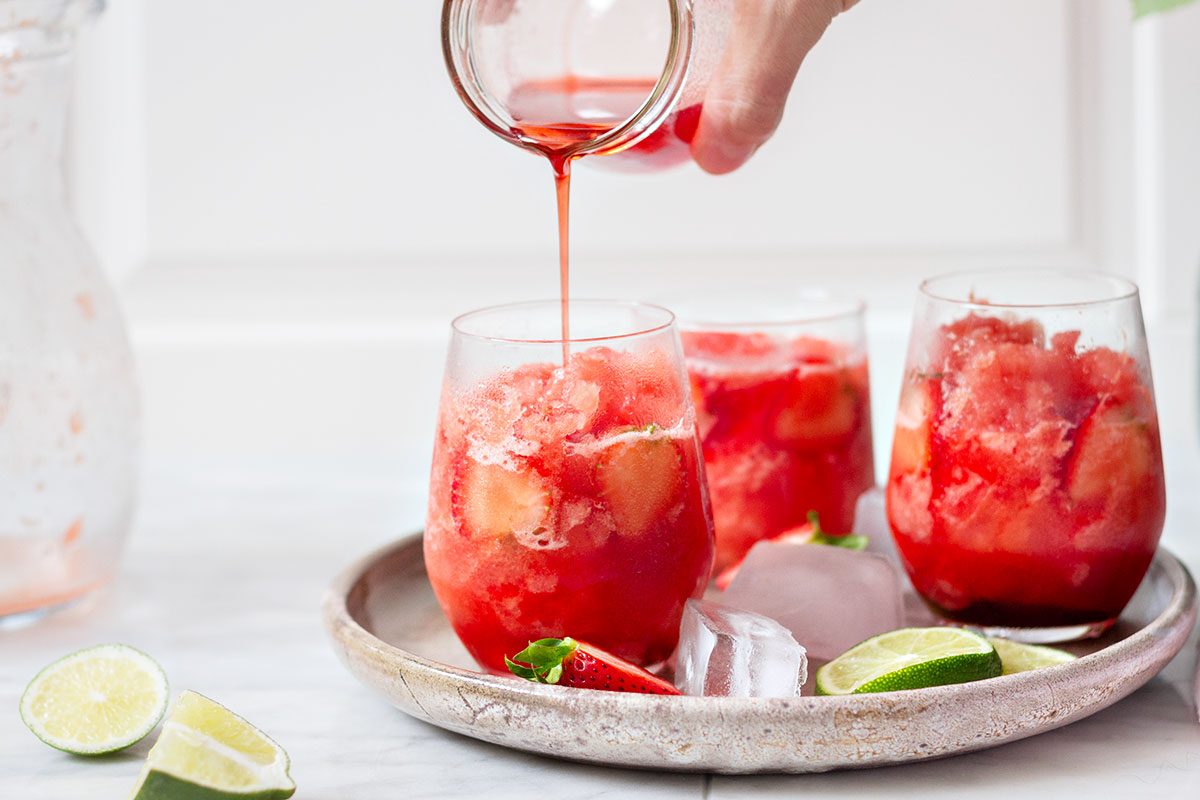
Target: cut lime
<point x="1016" y="657"/>
<point x="207" y="752"/>
<point x="98" y="700"/>
<point x="910" y="658"/>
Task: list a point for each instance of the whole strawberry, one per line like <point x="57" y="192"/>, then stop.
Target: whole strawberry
<point x="568" y="662"/>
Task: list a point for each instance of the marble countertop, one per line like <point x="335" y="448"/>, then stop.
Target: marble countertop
<point x="222" y="583"/>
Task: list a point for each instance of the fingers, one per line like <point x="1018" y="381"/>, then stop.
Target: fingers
<point x="745" y="100"/>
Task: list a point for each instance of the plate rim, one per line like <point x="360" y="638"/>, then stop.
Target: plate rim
<point x="341" y="625"/>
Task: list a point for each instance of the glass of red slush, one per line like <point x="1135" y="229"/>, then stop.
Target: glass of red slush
<point x="783" y="408"/>
<point x="1026" y="489"/>
<point x="567" y="499"/>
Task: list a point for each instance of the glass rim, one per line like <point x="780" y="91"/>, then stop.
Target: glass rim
<point x="1122" y="288"/>
<point x="667" y="89"/>
<point x="839" y="308"/>
<point x="457" y="325"/>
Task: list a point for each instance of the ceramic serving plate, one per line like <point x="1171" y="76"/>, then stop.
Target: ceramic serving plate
<point x="388" y="629"/>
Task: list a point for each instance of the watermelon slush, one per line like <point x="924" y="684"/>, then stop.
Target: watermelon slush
<point x="570" y="502"/>
<point x="1026" y="486"/>
<point x="785" y="423"/>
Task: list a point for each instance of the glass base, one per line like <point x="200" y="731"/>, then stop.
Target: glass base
<point x="29" y="615"/>
<point x="1053" y="635"/>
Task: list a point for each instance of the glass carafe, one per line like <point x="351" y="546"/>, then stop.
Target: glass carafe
<point x="68" y="399"/>
<point x="569" y="78"/>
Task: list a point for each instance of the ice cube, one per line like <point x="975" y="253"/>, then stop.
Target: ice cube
<point x="725" y="652"/>
<point x="870" y="520"/>
<point x="830" y="598"/>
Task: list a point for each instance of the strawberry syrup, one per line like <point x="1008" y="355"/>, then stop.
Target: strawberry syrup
<point x="555" y="117"/>
<point x="562" y="190"/>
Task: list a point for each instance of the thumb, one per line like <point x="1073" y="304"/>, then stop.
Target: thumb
<point x="745" y="100"/>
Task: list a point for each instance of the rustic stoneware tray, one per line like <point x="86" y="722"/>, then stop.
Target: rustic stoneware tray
<point x="388" y="629"/>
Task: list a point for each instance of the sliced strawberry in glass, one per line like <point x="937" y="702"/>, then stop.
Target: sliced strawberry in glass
<point x="912" y="445"/>
<point x="640" y="482"/>
<point x="492" y="501"/>
<point x="1114" y="452"/>
<point x="818" y="410"/>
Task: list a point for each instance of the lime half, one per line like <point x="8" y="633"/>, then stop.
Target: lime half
<point x="206" y="751"/>
<point x="1016" y="657"/>
<point x="98" y="700"/>
<point x="910" y="658"/>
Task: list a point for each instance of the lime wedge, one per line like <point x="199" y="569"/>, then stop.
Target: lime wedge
<point x="1016" y="657"/>
<point x="98" y="700"/>
<point x="206" y="751"/>
<point x="910" y="658"/>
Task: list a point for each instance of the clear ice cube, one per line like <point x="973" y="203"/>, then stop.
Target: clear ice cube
<point x="829" y="598"/>
<point x="870" y="519"/>
<point x="726" y="652"/>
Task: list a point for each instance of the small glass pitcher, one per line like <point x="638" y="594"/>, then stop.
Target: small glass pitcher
<point x="569" y="78"/>
<point x="68" y="399"/>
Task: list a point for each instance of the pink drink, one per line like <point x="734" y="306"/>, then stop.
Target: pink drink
<point x="1026" y="489"/>
<point x="569" y="502"/>
<point x="786" y="429"/>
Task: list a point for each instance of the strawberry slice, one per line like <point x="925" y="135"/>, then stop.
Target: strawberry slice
<point x="912" y="445"/>
<point x="640" y="480"/>
<point x="491" y="501"/>
<point x="808" y="533"/>
<point x="1114" y="449"/>
<point x="819" y="410"/>
<point x="568" y="662"/>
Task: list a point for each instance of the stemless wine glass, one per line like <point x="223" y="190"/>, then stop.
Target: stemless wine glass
<point x="567" y="500"/>
<point x="1026" y="489"/>
<point x="783" y="407"/>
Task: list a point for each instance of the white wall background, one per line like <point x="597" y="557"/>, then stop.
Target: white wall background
<point x="296" y="203"/>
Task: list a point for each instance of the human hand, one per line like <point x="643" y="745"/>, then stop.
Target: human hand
<point x="745" y="100"/>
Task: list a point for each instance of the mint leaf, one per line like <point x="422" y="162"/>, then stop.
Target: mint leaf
<point x="1142" y="8"/>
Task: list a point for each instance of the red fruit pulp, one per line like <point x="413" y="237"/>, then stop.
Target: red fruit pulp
<point x="569" y="501"/>
<point x="786" y="429"/>
<point x="1026" y="486"/>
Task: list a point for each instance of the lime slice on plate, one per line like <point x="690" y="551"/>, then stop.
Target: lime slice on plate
<point x="206" y="751"/>
<point x="910" y="658"/>
<point x="1016" y="657"/>
<point x="98" y="700"/>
